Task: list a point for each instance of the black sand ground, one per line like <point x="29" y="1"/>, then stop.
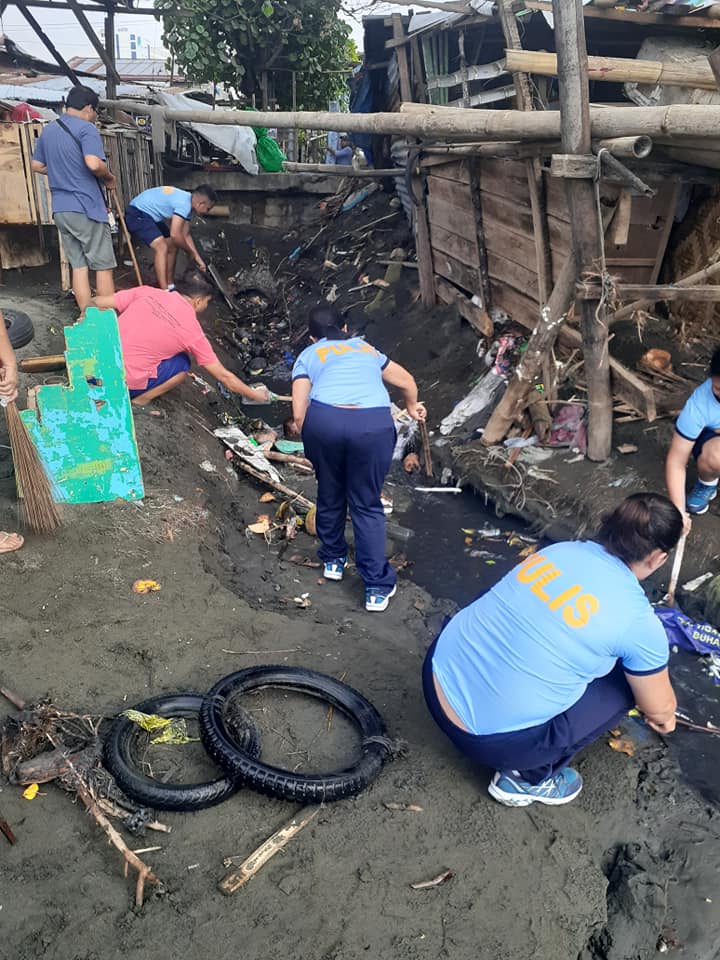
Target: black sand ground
<point x="634" y="859"/>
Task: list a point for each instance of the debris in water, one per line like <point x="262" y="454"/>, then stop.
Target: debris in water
<point x="435" y="882"/>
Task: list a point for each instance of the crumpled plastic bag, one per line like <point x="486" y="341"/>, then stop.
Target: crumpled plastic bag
<point x="173" y="729"/>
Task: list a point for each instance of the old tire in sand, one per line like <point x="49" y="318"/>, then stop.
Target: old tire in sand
<point x="19" y="328"/>
<point x="274" y="781"/>
<point x="168" y="796"/>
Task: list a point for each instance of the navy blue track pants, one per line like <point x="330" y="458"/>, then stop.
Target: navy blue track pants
<point x="538" y="752"/>
<point x="351" y="450"/>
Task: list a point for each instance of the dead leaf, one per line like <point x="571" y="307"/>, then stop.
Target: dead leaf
<point x="145" y="586"/>
<point x="267" y="497"/>
<point x="622" y="746"/>
<point x="263" y="524"/>
<point x="529" y="550"/>
<point x="468" y="541"/>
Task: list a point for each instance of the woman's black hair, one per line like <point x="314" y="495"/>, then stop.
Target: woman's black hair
<point x="715" y="364"/>
<point x="642" y="523"/>
<point x="326" y="321"/>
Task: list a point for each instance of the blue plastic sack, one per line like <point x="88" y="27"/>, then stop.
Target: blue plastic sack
<point x="683" y="632"/>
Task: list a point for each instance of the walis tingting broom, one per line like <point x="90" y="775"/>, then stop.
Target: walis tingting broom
<point x="38" y="508"/>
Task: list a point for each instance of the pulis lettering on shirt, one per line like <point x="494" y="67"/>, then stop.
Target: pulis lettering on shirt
<point x="338" y="349"/>
<point x="576" y="605"/>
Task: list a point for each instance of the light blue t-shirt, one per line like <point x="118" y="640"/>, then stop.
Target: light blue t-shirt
<point x="163" y="203"/>
<point x="344" y="372"/>
<point x="701" y="412"/>
<point x="526" y="650"/>
<point x="73" y="187"/>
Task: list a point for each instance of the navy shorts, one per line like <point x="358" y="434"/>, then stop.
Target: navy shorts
<point x="142" y="226"/>
<point x="706" y="435"/>
<point x="167" y="369"/>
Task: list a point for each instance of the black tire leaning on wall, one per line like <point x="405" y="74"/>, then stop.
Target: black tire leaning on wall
<point x="19" y="327"/>
<point x="283" y="784"/>
<point x="167" y="796"/>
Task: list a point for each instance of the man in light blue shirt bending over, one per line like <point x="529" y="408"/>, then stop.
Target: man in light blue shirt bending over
<point x="160" y="218"/>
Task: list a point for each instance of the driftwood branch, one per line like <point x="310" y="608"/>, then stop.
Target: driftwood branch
<point x="249" y="867"/>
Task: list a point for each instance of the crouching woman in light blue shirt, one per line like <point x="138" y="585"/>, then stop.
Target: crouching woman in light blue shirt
<point x="343" y="409"/>
<point x="556" y="653"/>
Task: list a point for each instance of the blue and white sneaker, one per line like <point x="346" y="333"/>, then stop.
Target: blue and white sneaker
<point x="334" y="569"/>
<point x="698" y="500"/>
<point x="510" y="789"/>
<point x="378" y="598"/>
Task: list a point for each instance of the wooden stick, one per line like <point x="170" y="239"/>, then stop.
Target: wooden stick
<point x="696" y="726"/>
<point x="41" y="364"/>
<point x="297" y="497"/>
<point x="14" y="699"/>
<point x="341" y="170"/>
<point x="121" y="218"/>
<point x="249" y="867"/>
<point x="426" y="448"/>
<point x="669" y="597"/>
<point x="287" y="458"/>
<point x="652" y="292"/>
<point x="709" y="272"/>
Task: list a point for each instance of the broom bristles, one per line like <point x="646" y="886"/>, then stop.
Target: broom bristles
<point x="38" y="507"/>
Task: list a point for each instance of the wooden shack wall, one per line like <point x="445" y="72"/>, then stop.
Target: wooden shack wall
<point x="482" y="238"/>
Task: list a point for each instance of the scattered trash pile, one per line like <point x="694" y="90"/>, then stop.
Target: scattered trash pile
<point x="114" y="769"/>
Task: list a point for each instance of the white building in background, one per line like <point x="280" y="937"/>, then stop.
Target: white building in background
<point x="130" y="44"/>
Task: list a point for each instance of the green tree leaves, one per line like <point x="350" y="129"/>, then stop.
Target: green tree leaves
<point x="236" y="41"/>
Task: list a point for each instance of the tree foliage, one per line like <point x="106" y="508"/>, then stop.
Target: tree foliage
<point x="235" y="41"/>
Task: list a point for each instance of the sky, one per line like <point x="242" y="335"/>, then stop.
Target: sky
<point x="68" y="37"/>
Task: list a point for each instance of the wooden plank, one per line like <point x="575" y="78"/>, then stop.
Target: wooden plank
<point x="15" y="204"/>
<point x="640" y="19"/>
<point x="451" y="191"/>
<point x="627" y="385"/>
<point x="449" y="217"/>
<point x="400" y="52"/>
<point x="664" y="236"/>
<point x="466" y="251"/>
<point x="504" y="168"/>
<point x="508" y="183"/>
<point x="503" y="242"/>
<point x="505" y="213"/>
<point x="523" y="310"/>
<point x="459" y="273"/>
<point x="522" y="279"/>
<point x="476" y="205"/>
<point x="454" y="170"/>
<point x="478" y="319"/>
<point x="423" y="248"/>
<point x="652" y="292"/>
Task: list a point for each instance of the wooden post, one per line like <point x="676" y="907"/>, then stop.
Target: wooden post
<point x="402" y="58"/>
<point x="423" y="249"/>
<point x="536" y="184"/>
<point x="110" y="79"/>
<point x="584" y="218"/>
<point x="89" y="31"/>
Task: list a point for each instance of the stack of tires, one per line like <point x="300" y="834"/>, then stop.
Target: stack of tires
<point x="234" y="744"/>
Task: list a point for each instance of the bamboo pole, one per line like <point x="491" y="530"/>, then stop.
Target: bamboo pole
<point x="432" y="122"/>
<point x="339" y="170"/>
<point x="618" y="70"/>
<point x="707" y="273"/>
<point x="584" y="218"/>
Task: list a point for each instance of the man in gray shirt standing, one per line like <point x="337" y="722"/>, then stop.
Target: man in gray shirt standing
<point x="70" y="152"/>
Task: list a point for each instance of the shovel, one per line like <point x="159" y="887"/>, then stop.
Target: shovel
<point x="221" y="287"/>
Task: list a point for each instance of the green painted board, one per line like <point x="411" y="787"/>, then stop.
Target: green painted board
<point x="85" y="433"/>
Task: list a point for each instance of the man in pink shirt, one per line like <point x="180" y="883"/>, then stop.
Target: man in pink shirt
<point x="160" y="332"/>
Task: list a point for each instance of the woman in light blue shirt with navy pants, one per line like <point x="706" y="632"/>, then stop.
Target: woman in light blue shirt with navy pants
<point x="343" y="409"/>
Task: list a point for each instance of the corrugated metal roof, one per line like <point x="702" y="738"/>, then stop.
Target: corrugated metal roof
<point x="54" y="89"/>
<point x="126" y="68"/>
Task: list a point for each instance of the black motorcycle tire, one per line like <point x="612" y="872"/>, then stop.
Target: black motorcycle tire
<point x="274" y="781"/>
<point x="151" y="793"/>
